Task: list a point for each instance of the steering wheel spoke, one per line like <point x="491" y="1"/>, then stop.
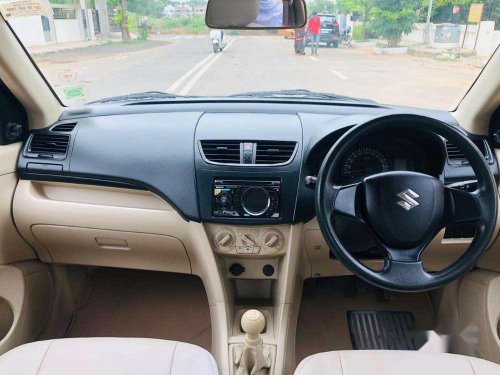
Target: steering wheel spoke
<point x="461" y="206"/>
<point x="346" y="201"/>
<point x="407" y="275"/>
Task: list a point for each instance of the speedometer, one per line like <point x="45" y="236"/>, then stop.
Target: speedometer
<point x="363" y="162"/>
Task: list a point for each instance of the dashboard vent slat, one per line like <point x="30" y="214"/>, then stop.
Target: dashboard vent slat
<point x="68" y="127"/>
<point x="49" y="144"/>
<point x="455" y="154"/>
<point x="274" y="152"/>
<point x="227" y="152"/>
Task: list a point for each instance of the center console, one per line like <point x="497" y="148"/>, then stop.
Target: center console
<point x="247" y="173"/>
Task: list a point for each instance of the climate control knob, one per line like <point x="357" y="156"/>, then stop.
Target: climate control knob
<point x="224" y="240"/>
<point x="272" y="240"/>
<point x="248" y="239"/>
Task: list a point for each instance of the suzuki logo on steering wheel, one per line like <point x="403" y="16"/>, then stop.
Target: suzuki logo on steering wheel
<point x="408" y="201"/>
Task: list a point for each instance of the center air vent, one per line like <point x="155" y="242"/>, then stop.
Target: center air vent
<point x="49" y="144"/>
<point x="225" y="152"/>
<point x="68" y="127"/>
<point x="456" y="156"/>
<point x="274" y="152"/>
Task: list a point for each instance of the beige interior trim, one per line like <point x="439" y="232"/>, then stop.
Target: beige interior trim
<point x="25" y="82"/>
<point x="12" y="247"/>
<point x="25" y="302"/>
<point x="474" y="111"/>
<point x="469" y="314"/>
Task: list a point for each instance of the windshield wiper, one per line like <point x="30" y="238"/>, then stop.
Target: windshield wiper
<point x="300" y="94"/>
<point x="141" y="96"/>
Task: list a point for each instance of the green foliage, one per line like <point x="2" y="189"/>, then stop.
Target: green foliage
<point x="191" y="25"/>
<point x="391" y="18"/>
<point x="321" y="6"/>
<point x="150" y="8"/>
<point x="118" y="18"/>
<point x="357" y="32"/>
<point x="64" y="1"/>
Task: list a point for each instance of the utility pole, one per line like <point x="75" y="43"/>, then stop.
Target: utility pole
<point x="428" y="24"/>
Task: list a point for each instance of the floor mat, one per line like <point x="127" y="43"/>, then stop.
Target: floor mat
<point x="131" y="303"/>
<point x="322" y="323"/>
<point x="376" y="330"/>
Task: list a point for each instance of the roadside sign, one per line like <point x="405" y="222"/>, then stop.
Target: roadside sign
<point x="475" y="13"/>
<point x="25" y="8"/>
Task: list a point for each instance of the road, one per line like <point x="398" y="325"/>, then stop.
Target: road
<point x="186" y="65"/>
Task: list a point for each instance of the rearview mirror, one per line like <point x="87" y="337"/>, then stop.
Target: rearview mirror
<point x="256" y="14"/>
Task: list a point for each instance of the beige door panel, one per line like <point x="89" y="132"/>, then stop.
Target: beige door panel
<point x="469" y="314"/>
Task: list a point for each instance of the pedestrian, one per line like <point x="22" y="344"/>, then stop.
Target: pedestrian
<point x="313" y="28"/>
<point x="300" y="41"/>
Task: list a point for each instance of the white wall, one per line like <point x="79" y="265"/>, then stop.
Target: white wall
<point x="485" y="43"/>
<point x="68" y="30"/>
<point x="29" y="30"/>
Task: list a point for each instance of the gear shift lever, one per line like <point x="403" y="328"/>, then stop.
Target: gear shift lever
<point x="253" y="323"/>
<point x="252" y="360"/>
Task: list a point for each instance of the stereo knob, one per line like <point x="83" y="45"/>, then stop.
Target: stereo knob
<point x="223" y="240"/>
<point x="273" y="240"/>
<point x="224" y="199"/>
<point x="255" y="201"/>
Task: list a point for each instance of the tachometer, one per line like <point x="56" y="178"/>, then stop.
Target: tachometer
<point x="363" y="162"/>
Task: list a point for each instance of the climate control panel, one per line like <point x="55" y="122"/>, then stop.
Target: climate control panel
<point x="243" y="240"/>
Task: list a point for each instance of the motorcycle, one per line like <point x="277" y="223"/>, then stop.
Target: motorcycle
<point x="217" y="37"/>
<point x="346" y="37"/>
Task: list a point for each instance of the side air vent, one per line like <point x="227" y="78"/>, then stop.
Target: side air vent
<point x="49" y="144"/>
<point x="456" y="156"/>
<point x="64" y="127"/>
<point x="225" y="152"/>
<point x="275" y="152"/>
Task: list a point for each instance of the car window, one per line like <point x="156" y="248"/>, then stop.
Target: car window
<point x="384" y="50"/>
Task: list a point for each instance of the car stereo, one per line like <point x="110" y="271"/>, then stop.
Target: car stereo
<point x="246" y="198"/>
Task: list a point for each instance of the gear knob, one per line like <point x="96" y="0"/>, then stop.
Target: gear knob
<point x="253" y="323"/>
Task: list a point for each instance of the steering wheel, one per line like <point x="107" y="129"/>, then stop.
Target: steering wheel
<point x="404" y="211"/>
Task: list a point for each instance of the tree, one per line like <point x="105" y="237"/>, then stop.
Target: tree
<point x="391" y="18"/>
<point x="124" y="21"/>
<point x="362" y="7"/>
<point x="321" y="6"/>
<point x="122" y="18"/>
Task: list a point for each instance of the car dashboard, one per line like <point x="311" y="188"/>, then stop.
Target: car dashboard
<point x="241" y="168"/>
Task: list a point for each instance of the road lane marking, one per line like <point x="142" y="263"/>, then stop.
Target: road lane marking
<point x="338" y="74"/>
<point x="186" y="75"/>
<point x="120" y="57"/>
<point x="313" y="58"/>
<point x="190" y="84"/>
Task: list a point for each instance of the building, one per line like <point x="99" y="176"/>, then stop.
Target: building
<point x="68" y="23"/>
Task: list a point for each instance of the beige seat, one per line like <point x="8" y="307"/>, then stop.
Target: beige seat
<point x="385" y="362"/>
<point x="98" y="356"/>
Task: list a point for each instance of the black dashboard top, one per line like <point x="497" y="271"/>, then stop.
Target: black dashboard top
<point x="157" y="147"/>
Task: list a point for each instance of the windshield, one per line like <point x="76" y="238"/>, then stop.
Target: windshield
<point x="389" y="51"/>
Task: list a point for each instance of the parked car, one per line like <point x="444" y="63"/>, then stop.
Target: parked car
<point x="329" y="34"/>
